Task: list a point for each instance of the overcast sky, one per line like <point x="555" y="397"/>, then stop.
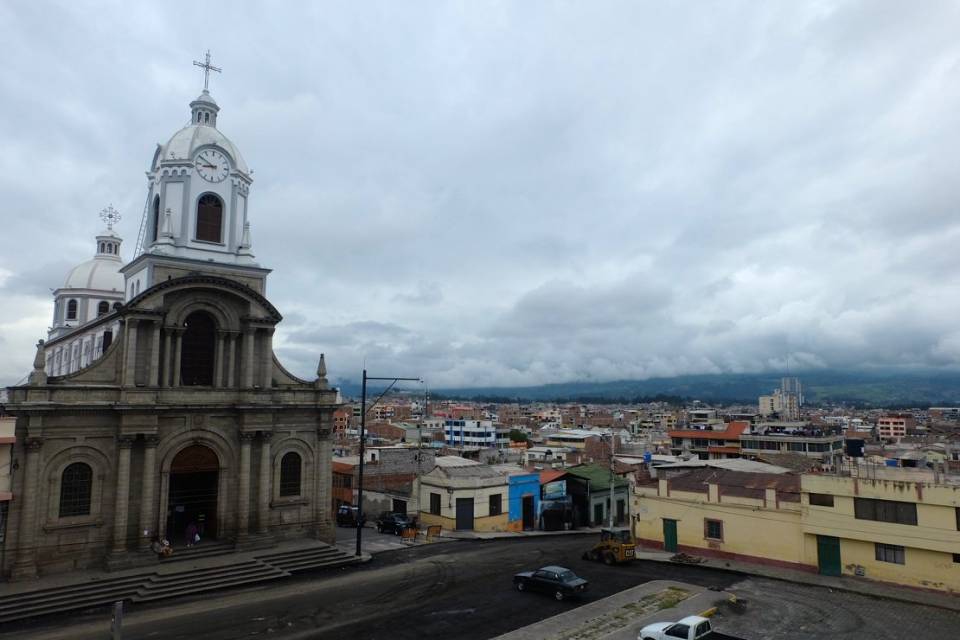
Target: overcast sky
<point x="513" y="193"/>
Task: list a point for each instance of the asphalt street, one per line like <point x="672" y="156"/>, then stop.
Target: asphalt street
<point x="463" y="590"/>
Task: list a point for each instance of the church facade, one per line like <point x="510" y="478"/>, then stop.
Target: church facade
<point x="157" y="405"/>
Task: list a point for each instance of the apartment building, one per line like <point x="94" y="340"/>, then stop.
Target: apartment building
<point x="475" y="433"/>
<point x="813" y="443"/>
<point x="709" y="441"/>
<point x="893" y="428"/>
<point x="899" y="526"/>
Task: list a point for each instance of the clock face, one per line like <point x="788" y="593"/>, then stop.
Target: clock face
<point x="212" y="165"/>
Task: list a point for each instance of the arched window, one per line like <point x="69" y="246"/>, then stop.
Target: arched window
<point x="104" y="307"/>
<point x="156" y="217"/>
<point x="72" y="307"/>
<point x="290" y="474"/>
<point x="101" y="248"/>
<point x="209" y="218"/>
<point x="76" y="485"/>
<point x="197" y="350"/>
<point x="116" y="305"/>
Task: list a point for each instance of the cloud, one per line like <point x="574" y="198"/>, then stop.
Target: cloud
<point x="522" y="193"/>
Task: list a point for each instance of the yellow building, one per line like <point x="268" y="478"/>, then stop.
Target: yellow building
<point x="899" y="527"/>
<point x="469" y="497"/>
<point x="722" y="513"/>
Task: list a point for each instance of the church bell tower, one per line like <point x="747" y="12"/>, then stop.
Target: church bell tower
<point x="196" y="218"/>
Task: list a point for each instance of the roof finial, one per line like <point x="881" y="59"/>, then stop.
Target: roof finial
<point x="38" y="376"/>
<point x="207" y="68"/>
<point x="111" y="216"/>
<point x="321" y="382"/>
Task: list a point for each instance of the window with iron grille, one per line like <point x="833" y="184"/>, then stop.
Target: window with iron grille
<point x="496" y="504"/>
<point x="290" y="474"/>
<point x="885" y="510"/>
<point x="713" y="529"/>
<point x="821" y="499"/>
<point x="890" y="553"/>
<point x="76" y="485"/>
<point x="435" y="504"/>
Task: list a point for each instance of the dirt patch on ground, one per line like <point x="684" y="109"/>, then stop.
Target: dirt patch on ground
<point x="621" y="617"/>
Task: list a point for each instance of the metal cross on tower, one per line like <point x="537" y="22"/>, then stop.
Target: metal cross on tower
<point x="111" y="216"/>
<point x="207" y="68"/>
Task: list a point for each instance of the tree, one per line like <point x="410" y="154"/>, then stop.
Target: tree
<point x="518" y="436"/>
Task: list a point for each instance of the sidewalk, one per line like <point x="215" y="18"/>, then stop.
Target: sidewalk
<point x="848" y="584"/>
<point x="622" y="615"/>
<point x="500" y="535"/>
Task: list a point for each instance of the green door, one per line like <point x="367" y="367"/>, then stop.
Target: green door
<point x="670" y="535"/>
<point x="828" y="555"/>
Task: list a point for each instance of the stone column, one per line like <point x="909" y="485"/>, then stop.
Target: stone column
<point x="266" y="475"/>
<point x="218" y="368"/>
<point x="247" y="365"/>
<point x="121" y="504"/>
<point x="165" y="362"/>
<point x="266" y="359"/>
<point x="243" y="492"/>
<point x="177" y="344"/>
<point x="323" y="480"/>
<point x="148" y="510"/>
<point x="130" y="368"/>
<point x="233" y="349"/>
<point x="154" y="378"/>
<point x="26" y="563"/>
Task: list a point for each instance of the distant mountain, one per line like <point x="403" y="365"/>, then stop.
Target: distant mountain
<point x="875" y="388"/>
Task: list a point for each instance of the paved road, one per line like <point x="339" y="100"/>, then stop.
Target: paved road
<point x="463" y="590"/>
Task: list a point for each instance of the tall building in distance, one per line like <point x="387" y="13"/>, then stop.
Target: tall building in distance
<point x="785" y="402"/>
<point x="792" y="386"/>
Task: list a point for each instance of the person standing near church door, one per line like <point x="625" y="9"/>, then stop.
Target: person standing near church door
<point x="191" y="534"/>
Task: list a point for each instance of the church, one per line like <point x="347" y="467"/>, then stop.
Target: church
<point x="156" y="405"/>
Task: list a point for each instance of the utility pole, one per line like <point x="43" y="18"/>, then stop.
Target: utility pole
<point x="610" y="515"/>
<point x="363" y="436"/>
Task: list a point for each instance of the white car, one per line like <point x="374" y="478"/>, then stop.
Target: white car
<point x="689" y="628"/>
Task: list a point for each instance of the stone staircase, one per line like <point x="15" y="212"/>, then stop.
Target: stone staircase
<point x="200" y="551"/>
<point x="319" y="557"/>
<point x="184" y="583"/>
<point x="208" y="573"/>
<point x="74" y="597"/>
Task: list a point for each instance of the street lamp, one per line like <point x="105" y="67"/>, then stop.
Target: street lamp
<point x="363" y="436"/>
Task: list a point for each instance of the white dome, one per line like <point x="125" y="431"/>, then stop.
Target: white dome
<point x="100" y="274"/>
<point x="188" y="140"/>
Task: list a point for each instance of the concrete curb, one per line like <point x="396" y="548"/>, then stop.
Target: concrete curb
<point x="605" y="611"/>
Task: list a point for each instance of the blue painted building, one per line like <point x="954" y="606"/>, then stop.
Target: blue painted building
<point x="524" y="501"/>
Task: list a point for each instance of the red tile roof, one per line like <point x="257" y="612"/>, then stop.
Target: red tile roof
<point x="732" y="432"/>
<point x="342" y="467"/>
<point x="549" y="475"/>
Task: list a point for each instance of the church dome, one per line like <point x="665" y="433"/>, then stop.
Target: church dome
<point x="185" y="143"/>
<point x="100" y="274"/>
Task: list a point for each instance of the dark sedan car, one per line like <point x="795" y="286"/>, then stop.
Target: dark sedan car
<point x="557" y="581"/>
<point x="347" y="516"/>
<point x="393" y="523"/>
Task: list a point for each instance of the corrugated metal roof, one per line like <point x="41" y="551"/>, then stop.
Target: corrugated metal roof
<point x="598" y="476"/>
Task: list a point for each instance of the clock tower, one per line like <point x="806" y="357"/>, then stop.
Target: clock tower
<point x="196" y="218"/>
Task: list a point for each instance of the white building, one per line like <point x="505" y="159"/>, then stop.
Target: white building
<point x="475" y="433"/>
